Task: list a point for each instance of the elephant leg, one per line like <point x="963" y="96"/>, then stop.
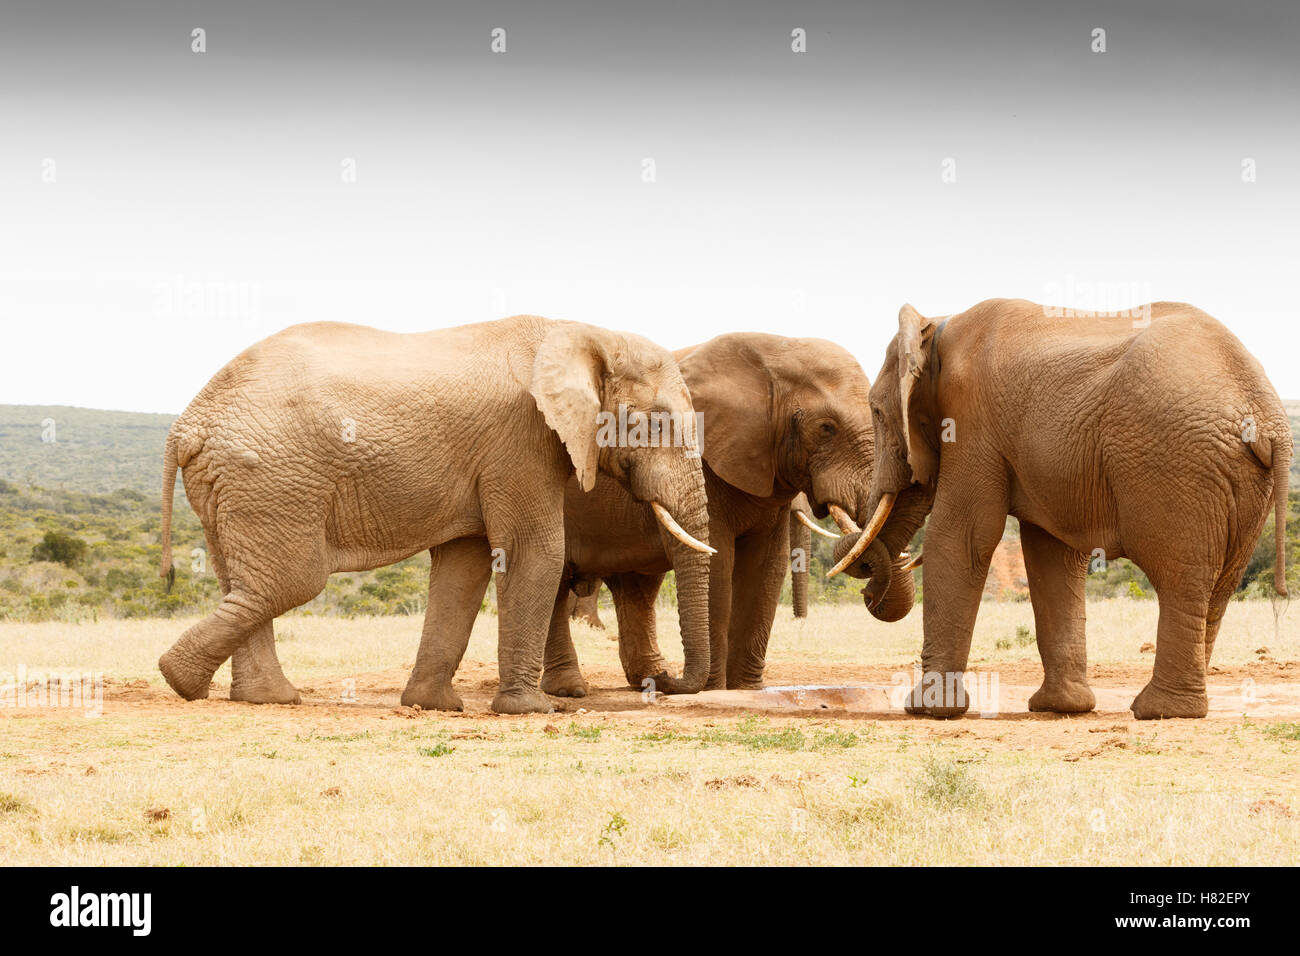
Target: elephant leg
<point x="458" y="578"/>
<point x="1056" y="574"/>
<point x="526" y="592"/>
<point x="561" y="676"/>
<point x="963" y="532"/>
<point x="1177" y="686"/>
<point x="245" y="614"/>
<point x="756" y="579"/>
<point x="1224" y="588"/>
<point x="721" y="569"/>
<point x="634" y="607"/>
<point x="188" y="665"/>
<point x="255" y="674"/>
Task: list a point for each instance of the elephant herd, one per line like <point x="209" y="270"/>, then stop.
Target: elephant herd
<point x="554" y="455"/>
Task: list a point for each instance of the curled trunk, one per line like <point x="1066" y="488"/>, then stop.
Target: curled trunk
<point x="891" y="591"/>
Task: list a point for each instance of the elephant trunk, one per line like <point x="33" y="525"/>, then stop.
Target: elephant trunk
<point x="691" y="568"/>
<point x="801" y="554"/>
<point x="891" y="592"/>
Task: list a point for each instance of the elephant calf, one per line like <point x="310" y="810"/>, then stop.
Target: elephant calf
<point x="1158" y="439"/>
<point x="332" y="447"/>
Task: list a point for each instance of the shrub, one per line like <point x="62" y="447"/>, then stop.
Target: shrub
<point x="60" y="547"/>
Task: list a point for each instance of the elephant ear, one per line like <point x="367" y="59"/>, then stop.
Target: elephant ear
<point x="915" y="376"/>
<point x="567" y="383"/>
<point x="732" y="392"/>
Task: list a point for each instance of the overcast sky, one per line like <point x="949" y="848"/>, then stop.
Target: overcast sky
<point x="160" y="209"/>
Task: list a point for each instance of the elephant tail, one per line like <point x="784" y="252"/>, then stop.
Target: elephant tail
<point x="1281" y="481"/>
<point x="166" y="570"/>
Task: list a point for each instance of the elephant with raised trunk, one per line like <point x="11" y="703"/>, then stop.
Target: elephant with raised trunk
<point x="779" y="417"/>
<point x="332" y="447"/>
<point x="1154" y="436"/>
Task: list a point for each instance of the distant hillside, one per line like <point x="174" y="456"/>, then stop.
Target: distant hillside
<point x="80" y="517"/>
<point x="92" y="451"/>
<point x="97" y="452"/>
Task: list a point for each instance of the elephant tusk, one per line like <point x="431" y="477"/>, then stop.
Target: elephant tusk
<point x="914" y="563"/>
<point x="842" y="518"/>
<point x="670" y="524"/>
<point x="868" y="535"/>
<point x="814" y="526"/>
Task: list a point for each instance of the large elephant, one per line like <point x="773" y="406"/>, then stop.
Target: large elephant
<point x="1156" y="438"/>
<point x="332" y="447"/>
<point x="779" y="416"/>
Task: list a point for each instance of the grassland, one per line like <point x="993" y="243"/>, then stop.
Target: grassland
<point x="351" y="777"/>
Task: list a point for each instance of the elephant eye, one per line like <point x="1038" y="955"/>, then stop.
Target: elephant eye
<point x="828" y="429"/>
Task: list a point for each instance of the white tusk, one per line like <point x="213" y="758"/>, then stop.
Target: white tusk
<point x="864" y="540"/>
<point x="914" y="563"/>
<point x="814" y="526"/>
<point x="842" y="518"/>
<point x="666" y="519"/>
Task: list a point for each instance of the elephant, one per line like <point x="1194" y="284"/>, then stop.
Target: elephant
<point x="336" y="447"/>
<point x="1153" y="436"/>
<point x="779" y="416"/>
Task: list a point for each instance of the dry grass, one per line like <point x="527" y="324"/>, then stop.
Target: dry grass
<point x="329" y="783"/>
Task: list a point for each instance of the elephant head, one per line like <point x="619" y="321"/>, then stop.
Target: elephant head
<point x="907" y="432"/>
<point x="621" y="407"/>
<point x="782" y="416"/>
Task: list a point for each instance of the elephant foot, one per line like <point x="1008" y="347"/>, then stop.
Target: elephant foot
<point x="265" y="692"/>
<point x="526" y="701"/>
<point x="565" y="682"/>
<point x="1154" y="703"/>
<point x="185" y="675"/>
<point x="746" y="683"/>
<point x="935" y="696"/>
<point x="260" y="685"/>
<point x="432" y="695"/>
<point x="665" y="683"/>
<point x="644" y="670"/>
<point x="1064" y="697"/>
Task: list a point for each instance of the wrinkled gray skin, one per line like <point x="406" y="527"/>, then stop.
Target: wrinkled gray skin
<point x="1100" y="435"/>
<point x="332" y="447"/>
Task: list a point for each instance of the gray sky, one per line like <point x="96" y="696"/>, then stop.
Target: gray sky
<point x="199" y="201"/>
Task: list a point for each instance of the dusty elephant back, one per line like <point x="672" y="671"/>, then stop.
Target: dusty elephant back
<point x="1107" y="403"/>
<point x="348" y="424"/>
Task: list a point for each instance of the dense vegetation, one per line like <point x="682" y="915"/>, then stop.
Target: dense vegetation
<point x="80" y="521"/>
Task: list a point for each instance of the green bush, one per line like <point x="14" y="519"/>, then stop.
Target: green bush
<point x="60" y="547"/>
